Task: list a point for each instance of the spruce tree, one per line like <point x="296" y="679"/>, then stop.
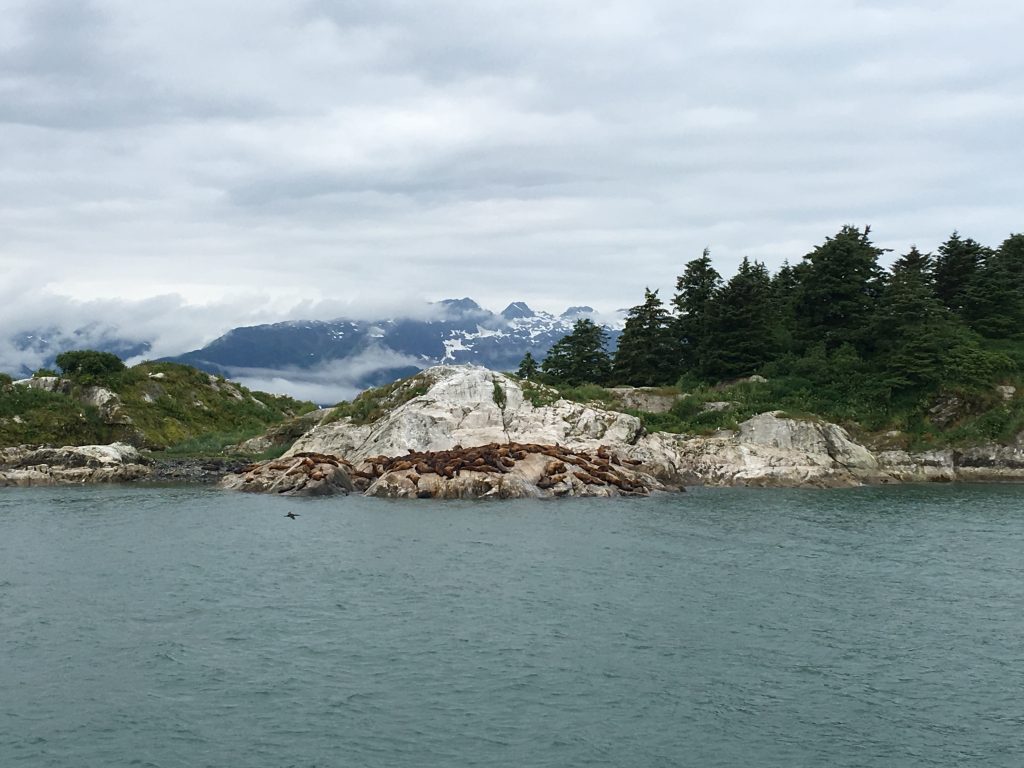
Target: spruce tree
<point x="995" y="297"/>
<point x="838" y="290"/>
<point x="646" y="355"/>
<point x="924" y="347"/>
<point x="742" y="332"/>
<point x="914" y="329"/>
<point x="528" y="367"/>
<point x="580" y="357"/>
<point x="696" y="289"/>
<point x="956" y="268"/>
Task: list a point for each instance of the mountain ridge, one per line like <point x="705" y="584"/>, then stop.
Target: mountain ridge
<point x="383" y="350"/>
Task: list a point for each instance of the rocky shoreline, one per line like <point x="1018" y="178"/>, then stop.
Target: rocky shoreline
<point x="462" y="439"/>
<point x="29" y="465"/>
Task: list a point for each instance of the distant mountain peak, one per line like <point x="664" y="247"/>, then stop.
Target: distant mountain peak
<point x="464" y="304"/>
<point x="516" y="310"/>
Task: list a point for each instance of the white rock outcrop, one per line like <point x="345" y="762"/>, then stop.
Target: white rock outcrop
<point x="117" y="462"/>
<point x="470" y="405"/>
<point x="768" y="451"/>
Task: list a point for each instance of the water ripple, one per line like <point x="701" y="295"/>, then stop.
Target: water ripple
<point x="184" y="627"/>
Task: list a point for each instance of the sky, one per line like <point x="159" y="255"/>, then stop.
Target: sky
<point x="179" y="168"/>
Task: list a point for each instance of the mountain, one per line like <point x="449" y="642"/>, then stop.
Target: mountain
<point x="358" y="354"/>
<point x="43" y="345"/>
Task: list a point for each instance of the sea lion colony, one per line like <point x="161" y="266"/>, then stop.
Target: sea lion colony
<point x="293" y="473"/>
<point x="601" y="468"/>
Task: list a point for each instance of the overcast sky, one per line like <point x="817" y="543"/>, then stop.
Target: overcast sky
<point x="263" y="159"/>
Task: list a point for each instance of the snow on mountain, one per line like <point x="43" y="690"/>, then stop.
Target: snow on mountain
<point x="307" y="358"/>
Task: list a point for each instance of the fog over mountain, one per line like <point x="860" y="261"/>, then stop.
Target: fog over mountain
<point x="321" y="360"/>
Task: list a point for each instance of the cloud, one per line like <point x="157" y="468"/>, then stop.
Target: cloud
<point x="328" y="383"/>
<point x="37" y="322"/>
<point x="254" y="157"/>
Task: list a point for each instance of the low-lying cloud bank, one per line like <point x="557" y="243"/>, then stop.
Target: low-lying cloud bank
<point x="328" y="383"/>
<point x="38" y="325"/>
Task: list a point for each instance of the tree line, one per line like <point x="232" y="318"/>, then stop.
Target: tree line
<point x="951" y="320"/>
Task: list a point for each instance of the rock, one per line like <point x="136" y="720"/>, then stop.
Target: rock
<point x="717" y="406"/>
<point x="923" y="467"/>
<point x="117" y="462"/>
<point x="107" y="403"/>
<point x="646" y="399"/>
<point x="303" y="474"/>
<point x="810" y="437"/>
<point x="460" y="408"/>
<point x="991" y="463"/>
<point x="46" y="383"/>
<point x="284" y="433"/>
<point x="768" y="450"/>
<point x="1006" y="391"/>
<point x="506" y="471"/>
<point x="947" y="410"/>
<point x="188" y="470"/>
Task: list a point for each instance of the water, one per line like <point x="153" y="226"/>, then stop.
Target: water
<point x="189" y="627"/>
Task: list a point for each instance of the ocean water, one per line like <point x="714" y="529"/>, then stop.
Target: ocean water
<point x="190" y="627"/>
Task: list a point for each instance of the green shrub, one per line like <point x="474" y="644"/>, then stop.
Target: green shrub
<point x="87" y="366"/>
<point x="538" y="394"/>
<point x="374" y="403"/>
<point x="499" y="395"/>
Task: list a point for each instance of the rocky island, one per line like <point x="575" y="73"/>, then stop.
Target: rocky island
<point x="469" y="432"/>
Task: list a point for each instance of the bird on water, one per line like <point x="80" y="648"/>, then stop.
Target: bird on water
<point x="292" y="515"/>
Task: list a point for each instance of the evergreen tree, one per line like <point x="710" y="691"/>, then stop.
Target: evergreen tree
<point x="838" y="290"/>
<point x="696" y="289"/>
<point x="785" y="292"/>
<point x="580" y="357"/>
<point x="915" y="330"/>
<point x="742" y="332"/>
<point x="924" y="347"/>
<point x="995" y="297"/>
<point x="956" y="267"/>
<point x="528" y="367"/>
<point x="646" y="354"/>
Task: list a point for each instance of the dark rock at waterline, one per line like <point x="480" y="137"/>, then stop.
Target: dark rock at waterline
<point x="184" y="470"/>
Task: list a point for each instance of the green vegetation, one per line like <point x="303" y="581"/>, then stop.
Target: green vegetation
<point x="370" y="405"/>
<point x="528" y="368"/>
<point x="580" y="357"/>
<point x="538" y="394"/>
<point x="499" y="395"/>
<point x="588" y="393"/>
<point x="646" y="351"/>
<point x="86" y="366"/>
<point x="919" y="348"/>
<point x="154" y="405"/>
<point x="32" y="416"/>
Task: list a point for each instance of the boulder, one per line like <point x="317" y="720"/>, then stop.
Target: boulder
<point x="646" y="399"/>
<point x="303" y="474"/>
<point x="117" y="462"/>
<point x="920" y="467"/>
<point x="769" y="450"/>
<point x="462" y="406"/>
<point x="991" y="463"/>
